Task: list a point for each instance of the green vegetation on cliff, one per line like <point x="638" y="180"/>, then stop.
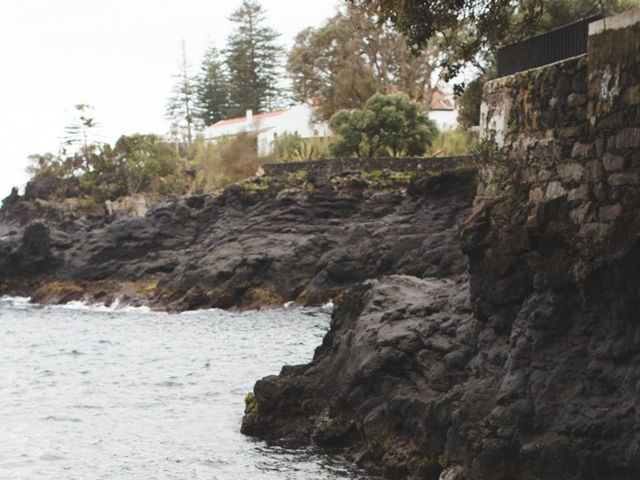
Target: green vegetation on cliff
<point x="135" y="164"/>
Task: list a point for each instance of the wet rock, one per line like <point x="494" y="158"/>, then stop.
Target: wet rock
<point x="284" y="242"/>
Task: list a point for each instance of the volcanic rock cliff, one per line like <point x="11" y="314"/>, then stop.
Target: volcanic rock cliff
<point x="263" y="242"/>
<point x="531" y="369"/>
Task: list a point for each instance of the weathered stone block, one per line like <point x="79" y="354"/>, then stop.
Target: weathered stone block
<point x="545" y="175"/>
<point x="581" y="214"/>
<point x="611" y="121"/>
<point x="529" y="174"/>
<point x="593" y="171"/>
<point x="554" y="190"/>
<point x="576" y="100"/>
<point x="613" y="162"/>
<point x="628" y="138"/>
<point x="593" y="232"/>
<point x="568" y="132"/>
<point x="580" y="193"/>
<point x="600" y="145"/>
<point x="582" y="150"/>
<point x="632" y="95"/>
<point x="609" y="213"/>
<point x="600" y="191"/>
<point x="536" y="195"/>
<point x="619" y="179"/>
<point x="570" y="172"/>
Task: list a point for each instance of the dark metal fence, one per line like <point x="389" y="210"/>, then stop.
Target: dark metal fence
<point x="564" y="42"/>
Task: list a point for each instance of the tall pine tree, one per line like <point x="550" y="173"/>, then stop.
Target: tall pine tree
<point x="254" y="59"/>
<point x="212" y="89"/>
<point x="180" y="106"/>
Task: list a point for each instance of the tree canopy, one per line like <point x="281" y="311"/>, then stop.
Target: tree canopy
<point x="388" y="125"/>
<point x="135" y="164"/>
<point x="473" y="29"/>
<point x="180" y="106"/>
<point x="348" y="59"/>
<point x="254" y="61"/>
<point x="212" y="88"/>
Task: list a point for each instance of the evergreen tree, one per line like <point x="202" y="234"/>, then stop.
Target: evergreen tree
<point x="212" y="89"/>
<point x="254" y="61"/>
<point x="80" y="133"/>
<point x="180" y="107"/>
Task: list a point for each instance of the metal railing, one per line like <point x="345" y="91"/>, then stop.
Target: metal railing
<point x="563" y="42"/>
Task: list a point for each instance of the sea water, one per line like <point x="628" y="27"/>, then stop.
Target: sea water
<point x="97" y="393"/>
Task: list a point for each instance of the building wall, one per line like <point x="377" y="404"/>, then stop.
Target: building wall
<point x="445" y="119"/>
<point x="297" y="119"/>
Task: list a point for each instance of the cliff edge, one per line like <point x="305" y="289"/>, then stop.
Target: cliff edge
<point x="529" y="370"/>
<point x="263" y="242"/>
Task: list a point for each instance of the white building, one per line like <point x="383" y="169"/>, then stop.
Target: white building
<point x="299" y="120"/>
<point x="443" y="111"/>
<point x="268" y="126"/>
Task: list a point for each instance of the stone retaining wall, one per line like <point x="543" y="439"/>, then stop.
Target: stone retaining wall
<point x="329" y="168"/>
<point x="570" y="132"/>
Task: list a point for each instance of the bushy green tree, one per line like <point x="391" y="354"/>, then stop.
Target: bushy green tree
<point x="350" y="133"/>
<point x="388" y="125"/>
<point x="254" y="61"/>
<point x="148" y="164"/>
<point x="344" y="62"/>
<point x="469" y="103"/>
<point x="135" y="164"/>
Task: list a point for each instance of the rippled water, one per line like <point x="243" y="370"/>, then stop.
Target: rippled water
<point x="87" y="394"/>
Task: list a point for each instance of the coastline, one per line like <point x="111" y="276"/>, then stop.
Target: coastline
<point x="259" y="244"/>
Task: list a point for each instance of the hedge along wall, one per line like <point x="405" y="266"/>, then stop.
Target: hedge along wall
<point x="568" y="134"/>
<point x="330" y="168"/>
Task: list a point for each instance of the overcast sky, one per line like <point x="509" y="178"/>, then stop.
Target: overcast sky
<point x="118" y="56"/>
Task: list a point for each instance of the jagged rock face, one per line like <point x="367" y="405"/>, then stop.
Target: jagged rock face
<point x="537" y="377"/>
<point x="245" y="248"/>
<point x="384" y="380"/>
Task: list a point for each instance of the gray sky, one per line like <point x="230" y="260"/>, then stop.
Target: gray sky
<point x="118" y="56"/>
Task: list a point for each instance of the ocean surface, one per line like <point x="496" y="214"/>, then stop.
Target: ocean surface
<point x="97" y="393"/>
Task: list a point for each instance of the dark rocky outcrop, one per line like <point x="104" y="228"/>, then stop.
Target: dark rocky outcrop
<point x="264" y="242"/>
<point x="529" y="370"/>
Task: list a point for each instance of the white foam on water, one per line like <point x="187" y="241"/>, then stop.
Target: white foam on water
<point x="25" y="302"/>
<point x="327" y="307"/>
<point x="96" y="307"/>
<point x="15" y="302"/>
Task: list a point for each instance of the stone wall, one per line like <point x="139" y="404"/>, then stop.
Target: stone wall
<point x="330" y="168"/>
<point x="554" y="256"/>
<point x="570" y="132"/>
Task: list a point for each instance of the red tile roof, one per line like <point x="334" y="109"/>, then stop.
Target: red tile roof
<point x="257" y="117"/>
<point x="440" y="102"/>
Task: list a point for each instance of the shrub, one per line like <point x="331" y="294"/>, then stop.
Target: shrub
<point x="291" y="147"/>
<point x="136" y="164"/>
<point x="389" y="125"/>
<point x="226" y="161"/>
<point x="450" y="143"/>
